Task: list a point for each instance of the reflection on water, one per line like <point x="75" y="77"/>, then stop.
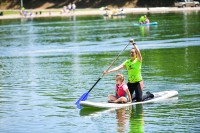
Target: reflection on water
<point x="130" y="119"/>
<point x="93" y="111"/>
<point x="144" y="30"/>
<point x="137" y="119"/>
<point x="114" y="17"/>
<point x="132" y="115"/>
<point x="121" y="120"/>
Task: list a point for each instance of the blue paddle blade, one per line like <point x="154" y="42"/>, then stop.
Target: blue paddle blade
<point x="79" y="106"/>
<point x="82" y="98"/>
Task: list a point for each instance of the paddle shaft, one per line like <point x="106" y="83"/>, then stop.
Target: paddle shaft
<point x="95" y="84"/>
<point x="109" y="67"/>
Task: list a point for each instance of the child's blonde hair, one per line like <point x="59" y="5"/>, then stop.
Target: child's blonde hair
<point x="120" y="77"/>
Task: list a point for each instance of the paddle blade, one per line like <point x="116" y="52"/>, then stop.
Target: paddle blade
<point x="82" y="98"/>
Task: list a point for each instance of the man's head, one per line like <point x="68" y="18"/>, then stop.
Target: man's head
<point x="133" y="53"/>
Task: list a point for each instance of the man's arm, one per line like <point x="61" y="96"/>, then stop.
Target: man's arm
<point x="115" y="69"/>
<point x="139" y="56"/>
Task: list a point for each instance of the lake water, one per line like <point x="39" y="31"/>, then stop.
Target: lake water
<point x="46" y="64"/>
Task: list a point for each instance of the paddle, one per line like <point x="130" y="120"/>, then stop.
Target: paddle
<point x="85" y="95"/>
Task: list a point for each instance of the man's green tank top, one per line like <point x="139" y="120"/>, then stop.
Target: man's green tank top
<point x="142" y="19"/>
<point x="134" y="70"/>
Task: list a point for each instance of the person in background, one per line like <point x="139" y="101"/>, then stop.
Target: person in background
<point x="30" y="13"/>
<point x="114" y="11"/>
<point x="22" y="11"/>
<point x="106" y="9"/>
<point x="69" y="7"/>
<point x="73" y="7"/>
<point x="121" y="91"/>
<point x="64" y="9"/>
<point x="142" y="20"/>
<point x="146" y="20"/>
<point x="25" y="13"/>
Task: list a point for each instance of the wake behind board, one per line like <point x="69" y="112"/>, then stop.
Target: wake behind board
<point x="152" y="23"/>
<point x="157" y="97"/>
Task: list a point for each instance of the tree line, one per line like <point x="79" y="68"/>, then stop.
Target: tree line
<point x="15" y="4"/>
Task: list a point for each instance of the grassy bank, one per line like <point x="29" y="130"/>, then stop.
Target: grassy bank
<point x="10" y="12"/>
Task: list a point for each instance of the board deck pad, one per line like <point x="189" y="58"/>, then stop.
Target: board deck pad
<point x="157" y="97"/>
<point x="152" y="23"/>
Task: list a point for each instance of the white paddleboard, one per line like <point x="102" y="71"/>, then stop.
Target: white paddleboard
<point x="152" y="23"/>
<point x="157" y="97"/>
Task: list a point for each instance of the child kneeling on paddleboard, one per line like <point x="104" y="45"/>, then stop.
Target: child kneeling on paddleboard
<point x="121" y="91"/>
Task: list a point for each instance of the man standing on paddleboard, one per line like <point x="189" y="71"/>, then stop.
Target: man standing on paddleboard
<point x="133" y="66"/>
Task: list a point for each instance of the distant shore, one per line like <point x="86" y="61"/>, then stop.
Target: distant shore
<point x="89" y="11"/>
